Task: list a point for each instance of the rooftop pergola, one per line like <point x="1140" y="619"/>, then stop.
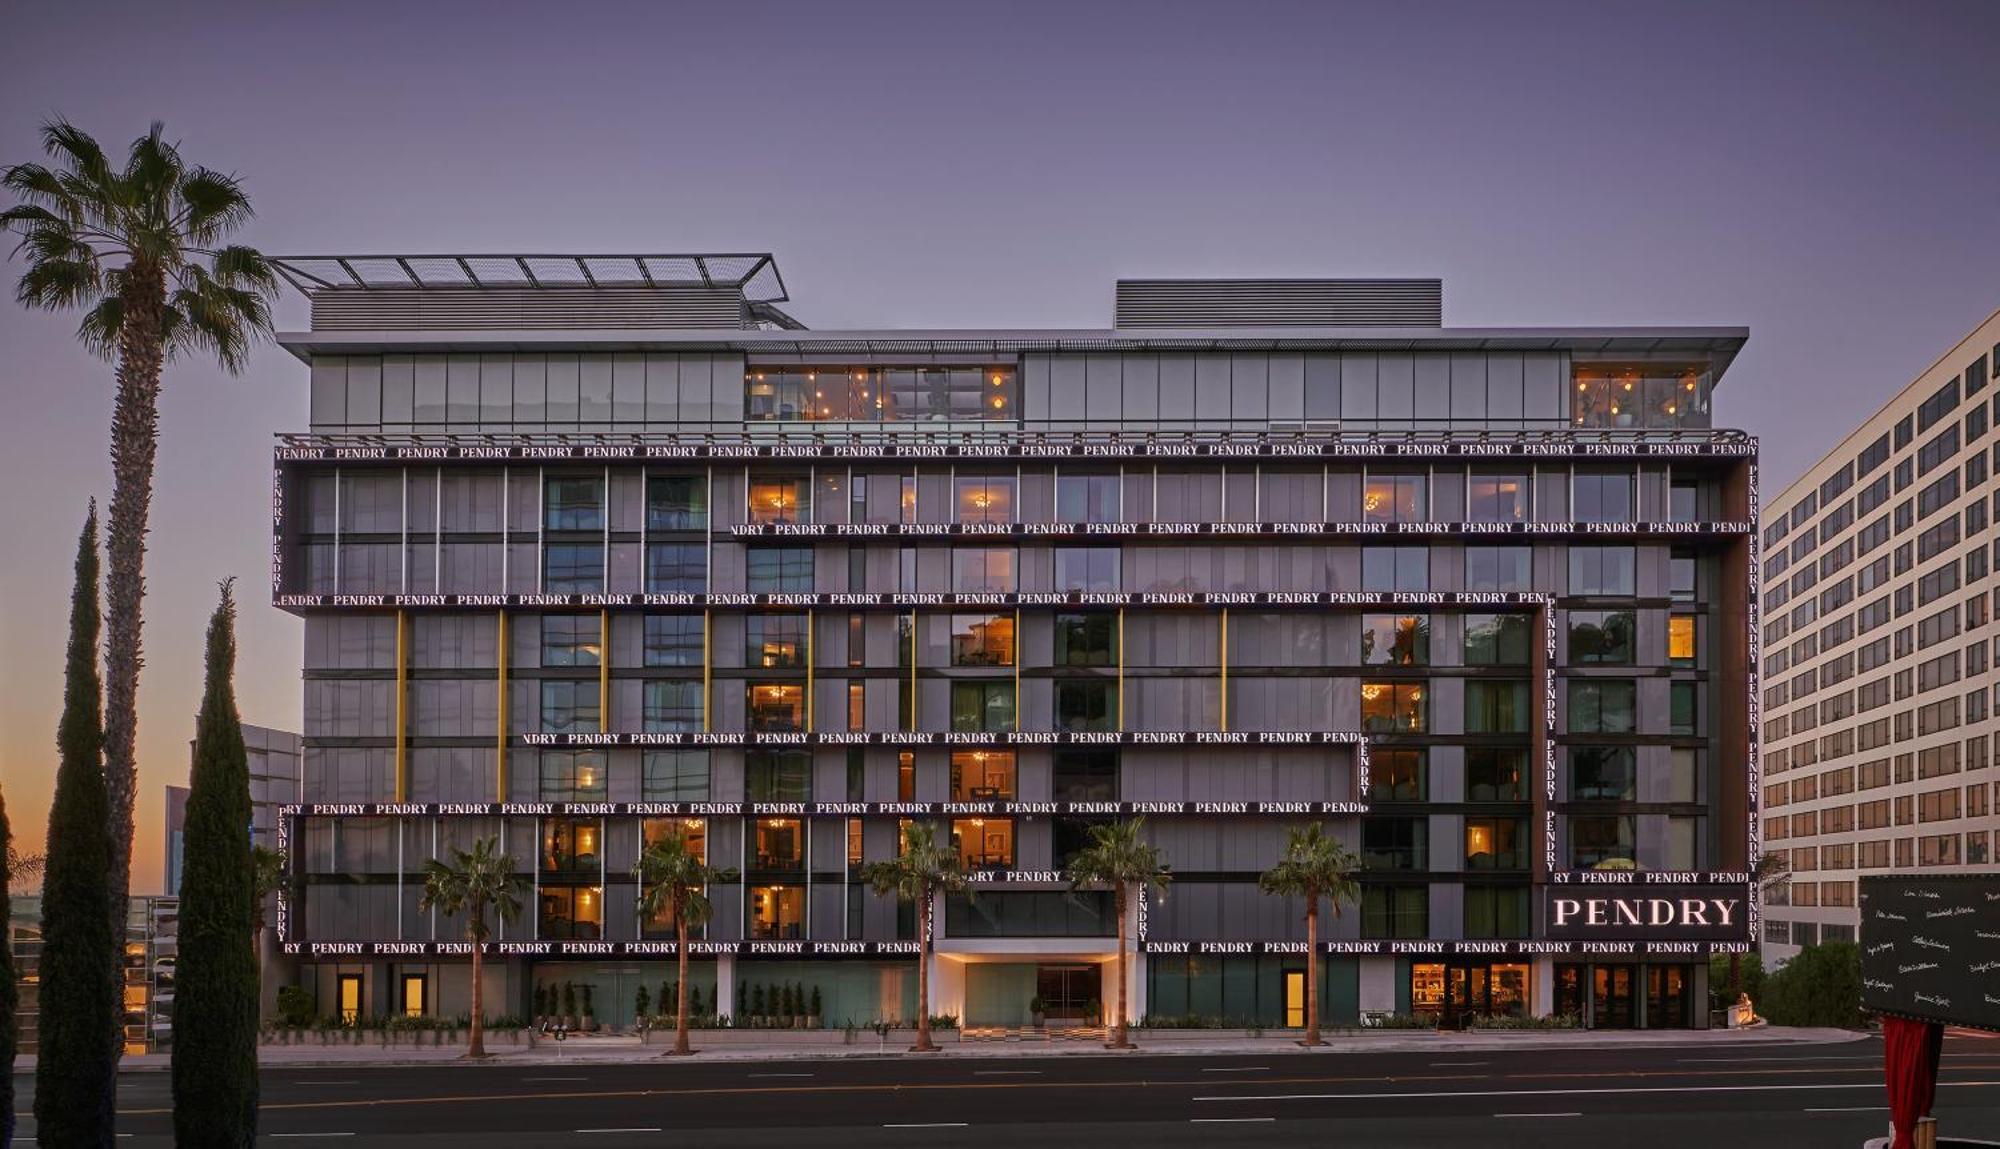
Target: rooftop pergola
<point x="755" y="274"/>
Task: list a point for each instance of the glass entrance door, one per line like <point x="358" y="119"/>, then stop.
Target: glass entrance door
<point x="1295" y="999"/>
<point x="1669" y="996"/>
<point x="1067" y="990"/>
<point x="1611" y="997"/>
<point x="350" y="998"/>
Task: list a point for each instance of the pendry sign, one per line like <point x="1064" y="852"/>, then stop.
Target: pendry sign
<point x="1645" y="913"/>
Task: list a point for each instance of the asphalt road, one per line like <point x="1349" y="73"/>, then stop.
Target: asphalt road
<point x="1629" y="1098"/>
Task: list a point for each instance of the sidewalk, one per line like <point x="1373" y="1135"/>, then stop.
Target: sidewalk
<point x="627" y="1050"/>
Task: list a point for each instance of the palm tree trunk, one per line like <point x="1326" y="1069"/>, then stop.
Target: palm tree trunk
<point x="924" y="1044"/>
<point x="135" y="434"/>
<point x="1312" y="973"/>
<point x="1118" y="1036"/>
<point x="681" y="992"/>
<point x="477" y="1046"/>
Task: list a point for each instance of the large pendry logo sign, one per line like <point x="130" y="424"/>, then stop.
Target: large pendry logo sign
<point x="1645" y="913"/>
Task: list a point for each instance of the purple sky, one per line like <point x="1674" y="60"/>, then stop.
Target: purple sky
<point x="1824" y="173"/>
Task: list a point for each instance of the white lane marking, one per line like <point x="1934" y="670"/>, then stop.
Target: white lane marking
<point x="312" y="1134"/>
<point x="1570" y="1114"/>
<point x="1575" y="1092"/>
<point x="555" y="1079"/>
<point x="628" y="1129"/>
<point x="1226" y="1120"/>
<point x="778" y="1075"/>
<point x="1851" y="1109"/>
<point x="929" y="1125"/>
<point x="1443" y="1064"/>
<point x="322" y="1081"/>
<point x="1239" y="1069"/>
<point x="1006" y="1073"/>
<point x="1748" y="1060"/>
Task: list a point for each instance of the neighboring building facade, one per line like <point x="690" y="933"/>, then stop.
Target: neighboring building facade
<point x="1879" y="651"/>
<point x="146" y="977"/>
<point x="592" y="550"/>
<point x="273" y="757"/>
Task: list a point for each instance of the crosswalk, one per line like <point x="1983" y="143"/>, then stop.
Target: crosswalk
<point x="1052" y="1033"/>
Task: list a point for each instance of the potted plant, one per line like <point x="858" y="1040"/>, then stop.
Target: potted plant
<point x="1038" y="1012"/>
<point x="541" y="1002"/>
<point x="666" y="998"/>
<point x="694" y="1001"/>
<point x="589" y="1013"/>
<point x="569" y="1005"/>
<point x="641" y="1007"/>
<point x="742" y="1001"/>
<point x="757" y="1006"/>
<point x="814" y="1017"/>
<point x="795" y="1006"/>
<point x="1093" y="1012"/>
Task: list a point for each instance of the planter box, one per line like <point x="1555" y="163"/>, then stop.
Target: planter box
<point x="388" y="1039"/>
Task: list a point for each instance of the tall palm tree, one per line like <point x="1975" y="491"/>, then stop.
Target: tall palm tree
<point x="918" y="874"/>
<point x="674" y="879"/>
<point x="1313" y="867"/>
<point x="1119" y="856"/>
<point x="142" y="251"/>
<point x="470" y="883"/>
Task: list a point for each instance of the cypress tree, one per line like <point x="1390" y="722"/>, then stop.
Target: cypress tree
<point x="215" y="991"/>
<point x="9" y="993"/>
<point x="76" y="1074"/>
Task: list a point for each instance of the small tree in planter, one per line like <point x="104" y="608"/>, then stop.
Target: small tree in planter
<point x="694" y="1001"/>
<point x="569" y="1005"/>
<point x="1119" y="856"/>
<point x="589" y="1011"/>
<point x="816" y="1017"/>
<point x="918" y="873"/>
<point x="1314" y="867"/>
<point x="642" y="1004"/>
<point x="1038" y="1012"/>
<point x="674" y="879"/>
<point x="666" y="995"/>
<point x="794" y="1009"/>
<point x="471" y="883"/>
<point x="756" y="1005"/>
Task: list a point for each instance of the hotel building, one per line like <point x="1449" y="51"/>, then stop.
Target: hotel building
<point x="1879" y="651"/>
<point x="594" y="549"/>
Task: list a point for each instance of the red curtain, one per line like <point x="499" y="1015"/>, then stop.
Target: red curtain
<point x="1911" y="1050"/>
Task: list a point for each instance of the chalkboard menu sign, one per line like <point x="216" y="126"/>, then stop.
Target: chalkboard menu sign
<point x="1930" y="947"/>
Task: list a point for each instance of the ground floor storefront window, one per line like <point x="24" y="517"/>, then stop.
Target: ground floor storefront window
<point x="1451" y="993"/>
<point x="1630" y="995"/>
<point x="856" y="992"/>
<point x="1260" y="990"/>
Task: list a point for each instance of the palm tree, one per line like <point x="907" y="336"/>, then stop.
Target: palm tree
<point x="674" y="879"/>
<point x="1314" y="866"/>
<point x="25" y="867"/>
<point x="918" y="874"/>
<point x="469" y="883"/>
<point x="1118" y="856"/>
<point x="141" y="252"/>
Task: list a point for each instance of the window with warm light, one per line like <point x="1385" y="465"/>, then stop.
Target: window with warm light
<point x="982" y="640"/>
<point x="571" y="913"/>
<point x="572" y="775"/>
<point x="571" y="845"/>
<point x="982" y="776"/>
<point x="775" y="641"/>
<point x="1394" y="707"/>
<point x="776" y="500"/>
<point x="1395" y="499"/>
<point x="984" y="843"/>
<point x="780" y="844"/>
<point x="777" y="707"/>
<point x="777" y="912"/>
<point x="1653" y="394"/>
<point x="1680" y="639"/>
<point x="984" y="498"/>
<point x="1496" y="844"/>
<point x="874" y="395"/>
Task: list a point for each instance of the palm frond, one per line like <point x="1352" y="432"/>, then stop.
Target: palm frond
<point x="221" y="320"/>
<point x="40" y="187"/>
<point x="240" y="266"/>
<point x="212" y="205"/>
<point x="76" y="150"/>
<point x="59" y="284"/>
<point x="98" y="329"/>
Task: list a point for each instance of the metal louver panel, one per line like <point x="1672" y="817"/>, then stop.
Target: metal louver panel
<point x="448" y="309"/>
<point x="1194" y="303"/>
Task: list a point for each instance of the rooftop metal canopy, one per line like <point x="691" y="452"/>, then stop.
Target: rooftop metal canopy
<point x="755" y="274"/>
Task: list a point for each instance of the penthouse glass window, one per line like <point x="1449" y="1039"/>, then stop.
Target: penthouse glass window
<point x="779" y="570"/>
<point x="1086" y="705"/>
<point x="903" y="394"/>
<point x="1086" y="639"/>
<point x="674" y="776"/>
<point x="984" y="498"/>
<point x="1506" y="569"/>
<point x="1602" y="570"/>
<point x="1640" y="395"/>
<point x="776" y="707"/>
<point x="780" y="500"/>
<point x="573" y="568"/>
<point x="1395" y="707"/>
<point x="1399" y="776"/>
<point x="1395" y="499"/>
<point x="672" y="707"/>
<point x="1602" y="497"/>
<point x="676" y="502"/>
<point x="982" y="706"/>
<point x="1497" y="498"/>
<point x="976" y="570"/>
<point x="1495" y="775"/>
<point x="982" y="640"/>
<point x="1088" y="498"/>
<point x="571" y="639"/>
<point x="572" y="776"/>
<point x="573" y="503"/>
<point x="1601" y="637"/>
<point x="672" y="640"/>
<point x="775" y="641"/>
<point x="1088" y="570"/>
<point x="1498" y="639"/>
<point x="676" y="568"/>
<point x="1603" y="774"/>
<point x="1395" y="640"/>
<point x="569" y="707"/>
<point x="1395" y="843"/>
<point x="1602" y="841"/>
<point x="1603" y="706"/>
<point x="1395" y="568"/>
